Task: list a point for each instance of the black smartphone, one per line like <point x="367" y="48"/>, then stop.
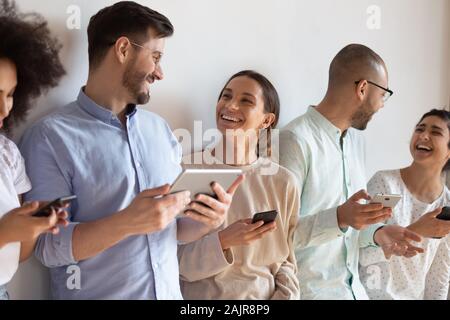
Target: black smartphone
<point x="445" y="214"/>
<point x="267" y="217"/>
<point x="55" y="205"/>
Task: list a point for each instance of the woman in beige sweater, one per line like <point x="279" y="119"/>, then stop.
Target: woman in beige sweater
<point x="242" y="260"/>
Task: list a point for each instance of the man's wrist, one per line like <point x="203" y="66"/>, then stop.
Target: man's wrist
<point x="375" y="235"/>
<point x="341" y="223"/>
<point x="120" y="224"/>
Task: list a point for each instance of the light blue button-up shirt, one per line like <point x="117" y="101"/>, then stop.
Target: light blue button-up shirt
<point x="83" y="149"/>
<point x="329" y="171"/>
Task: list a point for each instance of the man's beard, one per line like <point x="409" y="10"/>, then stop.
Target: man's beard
<point x="361" y="118"/>
<point x="132" y="80"/>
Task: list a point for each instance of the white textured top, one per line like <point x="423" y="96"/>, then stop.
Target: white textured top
<point x="425" y="276"/>
<point x="13" y="181"/>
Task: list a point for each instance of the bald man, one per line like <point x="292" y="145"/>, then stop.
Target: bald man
<point x="325" y="150"/>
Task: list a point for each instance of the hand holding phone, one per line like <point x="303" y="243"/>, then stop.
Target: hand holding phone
<point x="267" y="217"/>
<point x="434" y="224"/>
<point x="387" y="200"/>
<point x="445" y="214"/>
<point x="246" y="232"/>
<point x="54" y="205"/>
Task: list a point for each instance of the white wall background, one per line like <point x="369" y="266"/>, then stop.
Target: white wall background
<point x="290" y="41"/>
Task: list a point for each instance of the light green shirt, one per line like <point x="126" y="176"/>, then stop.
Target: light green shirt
<point x="330" y="168"/>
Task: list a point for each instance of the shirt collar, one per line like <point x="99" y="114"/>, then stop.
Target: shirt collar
<point x="333" y="131"/>
<point x="99" y="112"/>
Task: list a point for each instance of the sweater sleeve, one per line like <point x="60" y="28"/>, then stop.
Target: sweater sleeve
<point x="203" y="258"/>
<point x="286" y="283"/>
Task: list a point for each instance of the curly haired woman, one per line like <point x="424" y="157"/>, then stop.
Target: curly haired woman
<point x="29" y="65"/>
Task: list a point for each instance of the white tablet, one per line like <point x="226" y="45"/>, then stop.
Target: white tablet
<point x="198" y="181"/>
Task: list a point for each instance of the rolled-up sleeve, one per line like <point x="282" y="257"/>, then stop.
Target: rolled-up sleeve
<point x="56" y="250"/>
<point x="50" y="180"/>
<point x="367" y="236"/>
<point x="313" y="229"/>
<point x="316" y="229"/>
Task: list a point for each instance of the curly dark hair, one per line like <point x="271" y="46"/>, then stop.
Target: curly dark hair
<point x="26" y="41"/>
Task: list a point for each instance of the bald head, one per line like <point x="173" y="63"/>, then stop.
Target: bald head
<point x="353" y="63"/>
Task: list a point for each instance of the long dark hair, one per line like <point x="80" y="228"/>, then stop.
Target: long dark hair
<point x="444" y="115"/>
<point x="27" y="42"/>
<point x="271" y="101"/>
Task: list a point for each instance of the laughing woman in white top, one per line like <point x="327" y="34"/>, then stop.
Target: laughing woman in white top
<point x="29" y="64"/>
<point x="424" y="276"/>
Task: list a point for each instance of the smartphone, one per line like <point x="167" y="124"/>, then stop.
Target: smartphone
<point x="55" y="205"/>
<point x="445" y="214"/>
<point x="267" y="217"/>
<point x="387" y="200"/>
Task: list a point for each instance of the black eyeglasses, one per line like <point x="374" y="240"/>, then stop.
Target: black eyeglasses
<point x="387" y="94"/>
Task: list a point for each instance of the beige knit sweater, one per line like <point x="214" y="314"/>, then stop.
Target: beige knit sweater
<point x="266" y="269"/>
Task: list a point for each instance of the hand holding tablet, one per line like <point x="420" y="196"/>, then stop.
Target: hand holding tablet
<point x="212" y="192"/>
<point x="198" y="181"/>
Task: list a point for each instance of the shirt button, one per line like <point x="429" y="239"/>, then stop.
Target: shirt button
<point x="139" y="165"/>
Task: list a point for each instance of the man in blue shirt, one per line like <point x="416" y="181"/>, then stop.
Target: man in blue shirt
<point x="115" y="157"/>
